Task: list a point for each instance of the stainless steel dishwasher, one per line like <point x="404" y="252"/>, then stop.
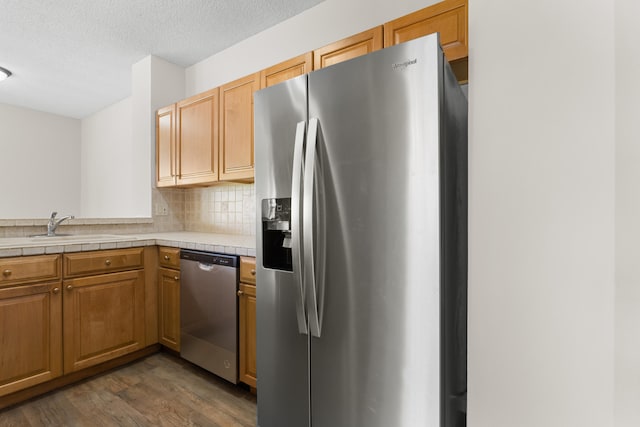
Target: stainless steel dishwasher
<point x="209" y="312"/>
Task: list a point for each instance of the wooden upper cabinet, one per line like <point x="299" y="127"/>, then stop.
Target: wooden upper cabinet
<point x="197" y="139"/>
<point x="236" y="129"/>
<point x="449" y="18"/>
<point x="286" y="70"/>
<point x="166" y="146"/>
<point x="351" y="47"/>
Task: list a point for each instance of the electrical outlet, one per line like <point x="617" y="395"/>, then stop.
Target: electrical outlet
<point x="161" y="210"/>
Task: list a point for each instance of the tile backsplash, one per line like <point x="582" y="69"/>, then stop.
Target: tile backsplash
<point x="224" y="208"/>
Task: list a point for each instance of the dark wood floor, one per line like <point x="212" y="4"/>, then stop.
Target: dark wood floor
<point x="160" y="390"/>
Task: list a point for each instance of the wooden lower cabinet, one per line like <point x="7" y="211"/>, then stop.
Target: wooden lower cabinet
<point x="169" y="308"/>
<point x="103" y="318"/>
<point x="247" y="321"/>
<point x="30" y="335"/>
<point x="247" y="317"/>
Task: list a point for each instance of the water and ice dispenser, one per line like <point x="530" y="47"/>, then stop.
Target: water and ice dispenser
<point x="276" y="234"/>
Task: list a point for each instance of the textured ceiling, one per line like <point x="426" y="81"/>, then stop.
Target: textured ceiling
<point x="74" y="57"/>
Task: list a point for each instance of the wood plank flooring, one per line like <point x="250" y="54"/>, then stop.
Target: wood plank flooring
<point x="160" y="390"/>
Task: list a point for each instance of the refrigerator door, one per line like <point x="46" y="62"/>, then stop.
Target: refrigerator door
<point x="377" y="358"/>
<point x="282" y="350"/>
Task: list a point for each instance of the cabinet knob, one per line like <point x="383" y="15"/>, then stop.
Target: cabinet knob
<point x="107" y="262"/>
<point x="69" y="287"/>
<point x="253" y="272"/>
<point x="167" y="257"/>
<point x="176" y="278"/>
<point x="55" y="290"/>
<point x="240" y="293"/>
<point x="6" y="273"/>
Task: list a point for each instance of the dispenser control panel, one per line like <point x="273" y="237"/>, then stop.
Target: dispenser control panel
<point x="276" y="234"/>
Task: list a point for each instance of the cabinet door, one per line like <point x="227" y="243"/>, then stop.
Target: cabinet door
<point x="169" y="307"/>
<point x="103" y="318"/>
<point x="166" y="146"/>
<point x="351" y="47"/>
<point x="236" y="128"/>
<point x="30" y="335"/>
<point x="197" y="141"/>
<point x="247" y="313"/>
<point x="286" y="70"/>
<point x="449" y="18"/>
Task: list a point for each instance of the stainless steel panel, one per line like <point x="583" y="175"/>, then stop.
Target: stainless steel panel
<point x="208" y="317"/>
<point x="282" y="351"/>
<point x="377" y="363"/>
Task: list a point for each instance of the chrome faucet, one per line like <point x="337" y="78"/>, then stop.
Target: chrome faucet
<point x="53" y="223"/>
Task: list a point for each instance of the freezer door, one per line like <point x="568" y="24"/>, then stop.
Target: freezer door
<point x="376" y="360"/>
<point x="282" y="351"/>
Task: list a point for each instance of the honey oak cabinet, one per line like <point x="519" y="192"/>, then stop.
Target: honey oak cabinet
<point x="30" y="324"/>
<point x="247" y="321"/>
<point x="169" y="297"/>
<point x="236" y="129"/>
<point x="197" y="139"/>
<point x="449" y="18"/>
<point x="351" y="47"/>
<point x="104" y="302"/>
<point x="286" y="70"/>
<point x="166" y="164"/>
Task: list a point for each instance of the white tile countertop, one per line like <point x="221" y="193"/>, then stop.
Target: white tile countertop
<point x="232" y="244"/>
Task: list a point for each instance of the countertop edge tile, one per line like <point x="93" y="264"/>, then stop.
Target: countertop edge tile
<point x="211" y="242"/>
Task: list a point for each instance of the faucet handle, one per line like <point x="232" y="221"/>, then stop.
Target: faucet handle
<point x="53" y="214"/>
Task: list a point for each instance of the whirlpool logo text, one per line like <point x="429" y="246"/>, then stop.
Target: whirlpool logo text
<point x="401" y="66"/>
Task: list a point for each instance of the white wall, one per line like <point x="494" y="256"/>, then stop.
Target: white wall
<point x="106" y="163"/>
<point x="118" y="144"/>
<point x="541" y="242"/>
<point x="627" y="396"/>
<point x="155" y="83"/>
<point x="39" y="165"/>
<point x="325" y="23"/>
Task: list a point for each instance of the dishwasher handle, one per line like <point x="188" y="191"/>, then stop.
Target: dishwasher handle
<point x="206" y="267"/>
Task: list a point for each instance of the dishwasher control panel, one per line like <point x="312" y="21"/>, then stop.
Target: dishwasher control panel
<point x="210" y="258"/>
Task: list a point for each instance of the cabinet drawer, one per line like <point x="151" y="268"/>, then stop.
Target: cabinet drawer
<point x="30" y="268"/>
<point x="169" y="257"/>
<point x="87" y="263"/>
<point x="248" y="270"/>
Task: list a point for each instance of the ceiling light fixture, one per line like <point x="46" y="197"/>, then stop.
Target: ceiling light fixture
<point x="4" y="73"/>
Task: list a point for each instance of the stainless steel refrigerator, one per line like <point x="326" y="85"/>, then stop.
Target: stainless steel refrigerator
<point x="361" y="188"/>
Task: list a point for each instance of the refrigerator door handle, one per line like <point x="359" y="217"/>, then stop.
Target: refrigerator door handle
<point x="314" y="245"/>
<point x="296" y="230"/>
